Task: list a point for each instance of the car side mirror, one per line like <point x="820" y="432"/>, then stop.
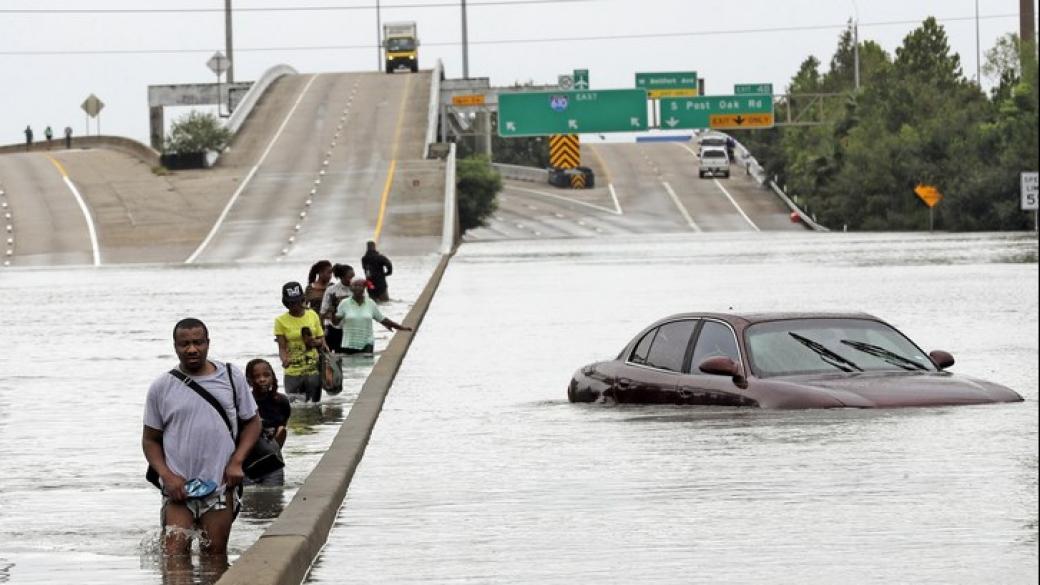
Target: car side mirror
<point x="721" y="365"/>
<point x="941" y="359"/>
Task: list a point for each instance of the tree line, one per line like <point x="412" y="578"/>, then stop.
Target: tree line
<point x="915" y="119"/>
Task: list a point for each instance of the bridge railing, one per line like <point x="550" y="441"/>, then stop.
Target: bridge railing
<point x="433" y="108"/>
<point x="759" y="174"/>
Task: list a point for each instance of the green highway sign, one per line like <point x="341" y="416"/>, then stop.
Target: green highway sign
<point x="675" y="80"/>
<point x="539" y="113"/>
<point x="581" y="79"/>
<point x="718" y="111"/>
<point x="753" y="88"/>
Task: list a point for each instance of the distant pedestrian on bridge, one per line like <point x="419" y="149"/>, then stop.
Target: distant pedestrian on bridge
<point x="68" y="137"/>
<point x="48" y="134"/>
<point x="377" y="267"/>
<point x="28" y="138"/>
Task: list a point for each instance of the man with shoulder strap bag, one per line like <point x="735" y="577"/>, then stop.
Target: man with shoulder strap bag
<point x="193" y="449"/>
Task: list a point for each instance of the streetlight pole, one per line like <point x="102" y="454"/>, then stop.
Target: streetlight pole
<point x="227" y="33"/>
<point x="465" y="43"/>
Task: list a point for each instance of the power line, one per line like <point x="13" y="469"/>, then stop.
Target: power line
<point x="276" y="8"/>
<point x="510" y="41"/>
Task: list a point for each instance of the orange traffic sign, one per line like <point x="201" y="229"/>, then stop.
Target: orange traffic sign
<point x="741" y="121"/>
<point x="467" y="100"/>
<point x="929" y="194"/>
<point x="656" y="94"/>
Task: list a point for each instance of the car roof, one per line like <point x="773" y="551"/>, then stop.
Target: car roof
<point x="746" y="319"/>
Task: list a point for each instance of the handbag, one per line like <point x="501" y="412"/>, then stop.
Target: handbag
<point x="266" y="455"/>
<point x="331" y="371"/>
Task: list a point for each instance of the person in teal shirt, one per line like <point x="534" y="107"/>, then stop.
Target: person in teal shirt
<point x="355" y="316"/>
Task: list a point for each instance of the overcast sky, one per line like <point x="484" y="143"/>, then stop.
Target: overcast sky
<point x="51" y="61"/>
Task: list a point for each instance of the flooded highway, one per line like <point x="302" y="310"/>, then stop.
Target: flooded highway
<point x="74" y="505"/>
<point x="479" y="470"/>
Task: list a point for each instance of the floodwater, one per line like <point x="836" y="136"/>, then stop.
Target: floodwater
<point x="78" y="349"/>
<point x="480" y="471"/>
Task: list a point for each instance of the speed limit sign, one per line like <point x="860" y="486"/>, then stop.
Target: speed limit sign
<point x="1029" y="191"/>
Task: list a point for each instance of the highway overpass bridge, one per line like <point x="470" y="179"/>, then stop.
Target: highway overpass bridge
<point x="324" y="162"/>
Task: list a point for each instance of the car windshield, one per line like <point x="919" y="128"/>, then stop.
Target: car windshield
<point x="814" y="346"/>
<point x="402" y="44"/>
<point x="714" y="154"/>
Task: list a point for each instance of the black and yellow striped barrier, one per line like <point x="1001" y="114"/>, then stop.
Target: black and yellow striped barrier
<point x="564" y="151"/>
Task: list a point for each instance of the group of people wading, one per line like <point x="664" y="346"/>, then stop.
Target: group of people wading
<point x="192" y="410"/>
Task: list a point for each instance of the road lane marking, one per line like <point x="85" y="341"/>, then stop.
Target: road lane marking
<point x="568" y="199"/>
<point x="95" y="248"/>
<point x="393" y="161"/>
<point x="682" y="208"/>
<point x="724" y="191"/>
<point x="734" y="202"/>
<point x="249" y="176"/>
<point x="610" y="181"/>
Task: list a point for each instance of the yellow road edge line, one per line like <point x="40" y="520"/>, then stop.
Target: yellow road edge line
<point x="393" y="161"/>
<point x="57" y="165"/>
<point x="95" y="244"/>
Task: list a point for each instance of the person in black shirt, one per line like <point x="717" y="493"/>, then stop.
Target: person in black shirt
<point x="377" y="267"/>
<point x="274" y="409"/>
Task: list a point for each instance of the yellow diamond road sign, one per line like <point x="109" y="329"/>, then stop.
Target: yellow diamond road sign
<point x="929" y="194"/>
<point x="741" y="121"/>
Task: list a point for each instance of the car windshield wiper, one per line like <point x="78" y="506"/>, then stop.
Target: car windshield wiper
<point x="826" y="355"/>
<point x="887" y="355"/>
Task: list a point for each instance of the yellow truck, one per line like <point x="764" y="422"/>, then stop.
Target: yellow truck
<point x="401" y="46"/>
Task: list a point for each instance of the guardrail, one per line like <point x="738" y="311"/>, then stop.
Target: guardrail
<point x="245" y="107"/>
<point x="129" y="146"/>
<point x="520" y="173"/>
<point x="433" y="109"/>
<point x="759" y="174"/>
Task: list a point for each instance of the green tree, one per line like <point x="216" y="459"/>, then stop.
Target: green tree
<point x="477" y="185"/>
<point x="197" y="132"/>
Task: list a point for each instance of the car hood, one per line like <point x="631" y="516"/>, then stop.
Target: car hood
<point x="895" y="389"/>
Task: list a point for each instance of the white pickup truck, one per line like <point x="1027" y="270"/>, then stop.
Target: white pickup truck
<point x="714" y="162"/>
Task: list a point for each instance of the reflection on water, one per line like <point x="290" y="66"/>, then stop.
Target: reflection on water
<point x="74" y="505"/>
<point x="480" y="471"/>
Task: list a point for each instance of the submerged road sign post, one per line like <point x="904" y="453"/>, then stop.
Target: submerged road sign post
<point x="931" y="197"/>
<point x="718" y="111"/>
<point x="540" y="113"/>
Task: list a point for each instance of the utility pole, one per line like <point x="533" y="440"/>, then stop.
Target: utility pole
<point x="465" y="43"/>
<point x="855" y="50"/>
<point x="227" y="33"/>
<point x="379" y="39"/>
<point x="1026" y="34"/>
<point x="978" y="48"/>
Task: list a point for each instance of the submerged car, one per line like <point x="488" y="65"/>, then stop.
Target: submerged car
<point x="780" y="360"/>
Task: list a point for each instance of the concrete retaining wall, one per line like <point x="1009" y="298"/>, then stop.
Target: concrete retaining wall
<point x="433" y="108"/>
<point x="145" y="153"/>
<point x="519" y="173"/>
<point x="285" y="551"/>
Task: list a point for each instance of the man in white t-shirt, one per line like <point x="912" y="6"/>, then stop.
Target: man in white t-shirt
<point x="190" y="445"/>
